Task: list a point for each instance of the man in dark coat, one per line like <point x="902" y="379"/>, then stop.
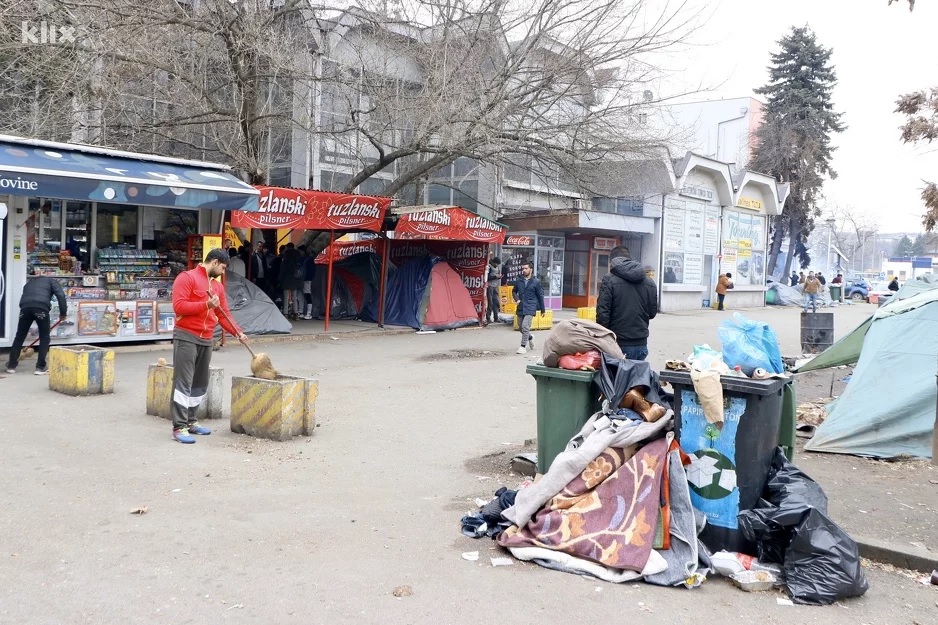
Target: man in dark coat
<point x="291" y="279"/>
<point x="36" y="305"/>
<point x="628" y="300"/>
<point x="529" y="297"/>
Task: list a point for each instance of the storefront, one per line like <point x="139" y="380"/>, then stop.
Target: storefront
<point x="545" y="250"/>
<point x="715" y="224"/>
<point x="113" y="228"/>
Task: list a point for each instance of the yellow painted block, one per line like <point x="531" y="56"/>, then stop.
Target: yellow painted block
<point x="540" y="322"/>
<point x="276" y="409"/>
<point x="504" y="296"/>
<point x="160" y="393"/>
<point x="81" y="370"/>
<point x="586" y="313"/>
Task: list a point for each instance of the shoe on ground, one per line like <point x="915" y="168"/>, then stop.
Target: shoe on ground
<point x="182" y="435"/>
<point x="195" y="428"/>
<point x="521" y="350"/>
<point x="43" y="371"/>
<point x="10" y="369"/>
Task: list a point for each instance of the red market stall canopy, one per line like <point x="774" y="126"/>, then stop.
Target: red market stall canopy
<point x="444" y="223"/>
<point x="305" y="209"/>
<point x="340" y="250"/>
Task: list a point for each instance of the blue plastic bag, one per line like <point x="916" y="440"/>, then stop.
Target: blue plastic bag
<point x="750" y="345"/>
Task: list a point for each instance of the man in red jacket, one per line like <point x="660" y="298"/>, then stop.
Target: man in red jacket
<point x="195" y="300"/>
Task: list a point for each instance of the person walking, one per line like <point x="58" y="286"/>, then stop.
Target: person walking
<point x="801" y="278"/>
<point x="821" y="279"/>
<point x="794" y="279"/>
<point x="812" y="286"/>
<point x="291" y="280"/>
<point x="36" y="306"/>
<point x="628" y="300"/>
<point x="529" y="297"/>
<point x="493" y="279"/>
<point x="197" y="297"/>
<point x="724" y="284"/>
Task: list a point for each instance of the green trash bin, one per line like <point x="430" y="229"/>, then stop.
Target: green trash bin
<point x="836" y="291"/>
<point x="565" y="402"/>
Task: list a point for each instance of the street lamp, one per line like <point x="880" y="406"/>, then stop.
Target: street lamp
<point x="830" y="233"/>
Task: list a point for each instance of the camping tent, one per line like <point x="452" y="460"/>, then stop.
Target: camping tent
<point x="425" y="293"/>
<point x="889" y="406"/>
<point x="252" y="309"/>
<point x="356" y="281"/>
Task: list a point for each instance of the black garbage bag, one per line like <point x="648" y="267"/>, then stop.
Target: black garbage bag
<point x="820" y="562"/>
<point x="618" y="376"/>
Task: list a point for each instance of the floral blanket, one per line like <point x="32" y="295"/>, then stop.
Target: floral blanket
<point x="607" y="514"/>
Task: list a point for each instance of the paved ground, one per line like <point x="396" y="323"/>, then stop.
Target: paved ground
<point x="323" y="529"/>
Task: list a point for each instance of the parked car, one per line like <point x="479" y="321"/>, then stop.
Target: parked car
<point x="857" y="290"/>
<point x="881" y="290"/>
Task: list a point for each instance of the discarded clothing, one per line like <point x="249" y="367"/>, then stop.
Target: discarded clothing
<point x="488" y="520"/>
<point x="598" y="434"/>
<point x="607" y="514"/>
<point x="577" y="336"/>
<point x="687" y="558"/>
<point x="560" y="561"/>
<point x="626" y="413"/>
<point x="617" y="377"/>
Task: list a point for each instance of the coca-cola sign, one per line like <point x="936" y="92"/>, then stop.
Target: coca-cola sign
<point x="519" y="240"/>
<point x="304" y="209"/>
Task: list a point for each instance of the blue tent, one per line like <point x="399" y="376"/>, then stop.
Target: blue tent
<point x="889" y="406"/>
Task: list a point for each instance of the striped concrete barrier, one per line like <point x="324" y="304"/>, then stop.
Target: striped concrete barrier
<point x="276" y="409"/>
<point x="81" y="370"/>
<point x="160" y="393"/>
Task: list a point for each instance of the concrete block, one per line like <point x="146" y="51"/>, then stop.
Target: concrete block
<point x="276" y="409"/>
<point x="160" y="393"/>
<point x="81" y="370"/>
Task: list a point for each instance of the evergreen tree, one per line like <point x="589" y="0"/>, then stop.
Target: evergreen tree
<point x="794" y="142"/>
<point x="903" y="247"/>
<point x="918" y="246"/>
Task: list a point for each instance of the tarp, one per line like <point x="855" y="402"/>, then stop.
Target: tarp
<point x="252" y="309"/>
<point x="308" y="209"/>
<point x="355" y="286"/>
<point x="785" y="295"/>
<point x="447" y="223"/>
<point x="426" y="293"/>
<point x="76" y="172"/>
<point x="888" y="408"/>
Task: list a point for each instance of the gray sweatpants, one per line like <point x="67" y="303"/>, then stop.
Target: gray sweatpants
<point x="524" y="323"/>
<point x="190" y="380"/>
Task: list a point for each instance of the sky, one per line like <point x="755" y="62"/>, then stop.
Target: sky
<point x="879" y="52"/>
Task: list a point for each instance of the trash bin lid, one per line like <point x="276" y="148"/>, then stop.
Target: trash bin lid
<point x="730" y="383"/>
<point x="540" y="371"/>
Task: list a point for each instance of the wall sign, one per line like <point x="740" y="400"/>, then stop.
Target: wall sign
<point x="697" y="192"/>
<point x="603" y="243"/>
<point x="712" y="231"/>
<point x="745" y="202"/>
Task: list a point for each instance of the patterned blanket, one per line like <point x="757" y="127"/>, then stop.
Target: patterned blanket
<point x="607" y="514"/>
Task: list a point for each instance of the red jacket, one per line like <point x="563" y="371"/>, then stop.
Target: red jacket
<point x="190" y="303"/>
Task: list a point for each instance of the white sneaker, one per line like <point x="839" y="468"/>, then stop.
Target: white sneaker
<point x="11" y="370"/>
<point x="521" y="350"/>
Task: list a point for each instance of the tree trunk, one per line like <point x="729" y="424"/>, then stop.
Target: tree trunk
<point x="794" y="234"/>
<point x="777" y="235"/>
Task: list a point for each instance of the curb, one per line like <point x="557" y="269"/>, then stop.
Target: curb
<point x="902" y="556"/>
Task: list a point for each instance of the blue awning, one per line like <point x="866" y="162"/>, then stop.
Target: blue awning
<point x="72" y="172"/>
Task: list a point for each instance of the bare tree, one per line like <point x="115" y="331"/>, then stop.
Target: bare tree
<point x="547" y="86"/>
<point x="207" y="78"/>
<point x="398" y="89"/>
<point x="854" y="233"/>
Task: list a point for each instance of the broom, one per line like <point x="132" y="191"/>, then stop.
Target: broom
<point x="261" y="366"/>
<point x="28" y="351"/>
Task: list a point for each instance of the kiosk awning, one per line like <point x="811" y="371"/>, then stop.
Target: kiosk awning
<point x="446" y="223"/>
<point x="77" y="172"/>
<point x="308" y="209"/>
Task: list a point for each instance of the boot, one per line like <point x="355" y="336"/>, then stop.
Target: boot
<point x="634" y="400"/>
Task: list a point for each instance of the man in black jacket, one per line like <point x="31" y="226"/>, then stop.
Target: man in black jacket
<point x="529" y="296"/>
<point x="628" y="299"/>
<point x="36" y="305"/>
